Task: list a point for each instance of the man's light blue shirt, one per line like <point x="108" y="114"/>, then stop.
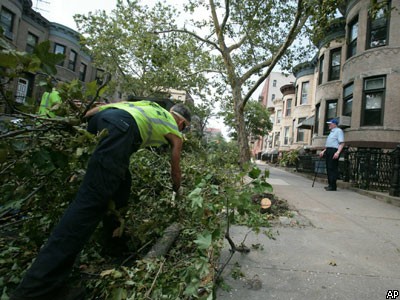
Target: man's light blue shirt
<point x="335" y="138"/>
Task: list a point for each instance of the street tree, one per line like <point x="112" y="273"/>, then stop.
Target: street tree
<point x="248" y="39"/>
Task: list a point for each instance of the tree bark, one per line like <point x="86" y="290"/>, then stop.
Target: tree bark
<point x="243" y="141"/>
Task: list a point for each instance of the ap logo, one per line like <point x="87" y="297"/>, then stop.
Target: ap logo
<point x="392" y="294"/>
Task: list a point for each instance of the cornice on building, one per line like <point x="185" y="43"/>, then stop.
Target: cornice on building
<point x="304" y="69"/>
<point x="65" y="33"/>
<point x="29" y="13"/>
<point x="287" y="89"/>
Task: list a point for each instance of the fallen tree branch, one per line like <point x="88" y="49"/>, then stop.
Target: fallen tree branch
<point x="165" y="242"/>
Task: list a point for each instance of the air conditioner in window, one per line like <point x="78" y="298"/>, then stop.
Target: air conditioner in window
<point x="344" y="121"/>
<point x="8" y="34"/>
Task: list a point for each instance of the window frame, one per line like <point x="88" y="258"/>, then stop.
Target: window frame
<point x="8" y="27"/>
<point x="30" y="47"/>
<point x="329" y="116"/>
<point x="99" y="76"/>
<point x="316" y="117"/>
<point x="278" y="116"/>
<point x="82" y="75"/>
<point x="352" y="44"/>
<point x="347" y="98"/>
<point x="321" y="69"/>
<point x="64" y="48"/>
<point x="300" y="131"/>
<point x="364" y="110"/>
<point x="72" y="63"/>
<point x="332" y="67"/>
<point x="385" y="26"/>
<point x="289" y="103"/>
<point x="304" y="96"/>
<point x="277" y="137"/>
<point x="286" y="135"/>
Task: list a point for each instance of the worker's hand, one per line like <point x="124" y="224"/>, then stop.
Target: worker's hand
<point x="321" y="154"/>
<point x="336" y="155"/>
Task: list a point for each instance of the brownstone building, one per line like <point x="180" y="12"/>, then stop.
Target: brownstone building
<point x="24" y="28"/>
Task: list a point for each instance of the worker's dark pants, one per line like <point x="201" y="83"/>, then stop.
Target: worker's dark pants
<point x="107" y="177"/>
<point x="332" y="167"/>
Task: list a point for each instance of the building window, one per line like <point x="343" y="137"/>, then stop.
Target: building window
<point x="316" y="121"/>
<point x="99" y="76"/>
<point x="31" y="42"/>
<point x="72" y="60"/>
<point x="300" y="131"/>
<point x="59" y="49"/>
<point x="288" y="107"/>
<point x="22" y="90"/>
<point x="321" y="69"/>
<point x="274" y="83"/>
<point x="304" y="92"/>
<point x="278" y="116"/>
<point x="378" y="26"/>
<point x="277" y="139"/>
<point x="7" y="22"/>
<point x="330" y="113"/>
<point x="373" y="101"/>
<point x="352" y="39"/>
<point x="348" y="99"/>
<point x="82" y="72"/>
<point x="334" y="65"/>
<point x="286" y="135"/>
<point x="273" y="97"/>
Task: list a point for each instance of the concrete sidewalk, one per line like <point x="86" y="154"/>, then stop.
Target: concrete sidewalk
<point x="339" y="245"/>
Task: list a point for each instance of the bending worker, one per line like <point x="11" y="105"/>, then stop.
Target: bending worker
<point x="130" y="125"/>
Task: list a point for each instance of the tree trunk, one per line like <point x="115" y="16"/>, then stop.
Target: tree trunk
<point x="243" y="142"/>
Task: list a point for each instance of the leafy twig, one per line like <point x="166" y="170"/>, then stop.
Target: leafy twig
<point x="107" y="78"/>
<point x="154" y="281"/>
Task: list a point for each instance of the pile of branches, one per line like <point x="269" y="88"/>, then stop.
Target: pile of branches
<point x="41" y="171"/>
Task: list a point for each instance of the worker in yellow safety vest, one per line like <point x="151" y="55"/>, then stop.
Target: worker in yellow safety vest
<point x="49" y="99"/>
<point x="130" y="126"/>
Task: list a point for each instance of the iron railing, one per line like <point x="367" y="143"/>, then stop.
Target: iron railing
<point x="369" y="168"/>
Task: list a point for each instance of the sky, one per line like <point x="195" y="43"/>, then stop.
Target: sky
<point x="62" y="11"/>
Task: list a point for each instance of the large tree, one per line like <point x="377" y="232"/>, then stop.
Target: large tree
<point x="249" y="39"/>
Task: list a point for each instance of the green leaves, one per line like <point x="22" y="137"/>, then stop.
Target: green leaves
<point x="137" y="43"/>
<point x="203" y="241"/>
<point x="196" y="198"/>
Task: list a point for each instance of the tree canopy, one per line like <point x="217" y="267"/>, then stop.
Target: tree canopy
<point x="143" y="63"/>
<point x="237" y="43"/>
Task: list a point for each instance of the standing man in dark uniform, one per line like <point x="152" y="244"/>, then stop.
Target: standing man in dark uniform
<point x="333" y="147"/>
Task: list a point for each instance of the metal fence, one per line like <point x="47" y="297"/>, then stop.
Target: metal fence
<point x="369" y="169"/>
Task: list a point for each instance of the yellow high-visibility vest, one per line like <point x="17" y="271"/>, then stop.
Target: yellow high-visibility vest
<point x="154" y="122"/>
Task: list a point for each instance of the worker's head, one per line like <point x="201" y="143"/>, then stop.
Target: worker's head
<point x="182" y="115"/>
